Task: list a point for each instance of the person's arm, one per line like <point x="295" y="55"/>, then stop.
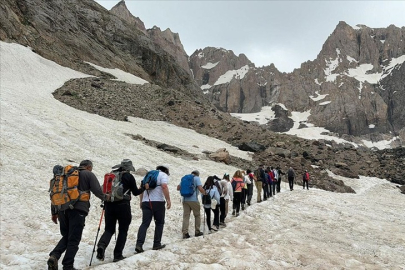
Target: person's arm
<point x="165" y="190"/>
<point x="95" y="187"/>
<point x="132" y="185"/>
<point x="202" y="191"/>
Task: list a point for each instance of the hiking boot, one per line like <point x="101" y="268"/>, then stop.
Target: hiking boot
<point x="52" y="263"/>
<point x="139" y="249"/>
<point x="215" y="228"/>
<point x="237" y="214"/>
<point x="222" y="224"/>
<point x="100" y="253"/>
<point x="119" y="258"/>
<point x="158" y="247"/>
<point x="233" y="212"/>
<point x="186" y="235"/>
<point x="199" y="234"/>
<point x="243" y="207"/>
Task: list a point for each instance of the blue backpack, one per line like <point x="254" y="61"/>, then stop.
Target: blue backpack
<point x="150" y="180"/>
<point x="187" y="186"/>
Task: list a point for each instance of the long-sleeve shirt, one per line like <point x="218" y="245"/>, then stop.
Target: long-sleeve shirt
<point x="214" y="194"/>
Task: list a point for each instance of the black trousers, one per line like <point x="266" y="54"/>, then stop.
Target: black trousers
<point x="266" y="192"/>
<point x="249" y="193"/>
<point x="237" y="197"/>
<point x="244" y="194"/>
<point x="152" y="210"/>
<point x="222" y="209"/>
<point x="208" y="217"/>
<point x="278" y="185"/>
<point x="291" y="182"/>
<point x="121" y="212"/>
<point x="273" y="188"/>
<point x="305" y="182"/>
<point x="216" y="216"/>
<point x="71" y="224"/>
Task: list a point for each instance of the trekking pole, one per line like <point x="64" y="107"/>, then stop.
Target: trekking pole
<point x="99" y="225"/>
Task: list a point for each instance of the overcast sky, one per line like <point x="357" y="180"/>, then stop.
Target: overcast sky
<point x="286" y="33"/>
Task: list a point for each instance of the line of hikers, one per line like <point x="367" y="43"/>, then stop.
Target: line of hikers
<point x="154" y="199"/>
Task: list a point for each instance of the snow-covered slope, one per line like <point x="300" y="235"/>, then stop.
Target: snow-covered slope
<point x="302" y="229"/>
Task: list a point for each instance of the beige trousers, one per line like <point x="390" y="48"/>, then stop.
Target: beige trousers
<point x="259" y="186"/>
<point x="187" y="208"/>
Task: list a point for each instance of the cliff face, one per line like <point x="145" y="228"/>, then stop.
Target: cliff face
<point x="167" y="40"/>
<point x="77" y="31"/>
<point x="348" y="88"/>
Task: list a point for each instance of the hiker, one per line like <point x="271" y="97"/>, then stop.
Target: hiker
<point x="72" y="220"/>
<point x="266" y="184"/>
<point x="211" y="191"/>
<point x="250" y="186"/>
<point x="217" y="183"/>
<point x="227" y="194"/>
<point x="291" y="176"/>
<point x="259" y="174"/>
<point x="246" y="181"/>
<point x="119" y="210"/>
<point x="279" y="172"/>
<point x="153" y="207"/>
<point x="274" y="179"/>
<point x="305" y="179"/>
<point x="237" y="186"/>
<point x="191" y="203"/>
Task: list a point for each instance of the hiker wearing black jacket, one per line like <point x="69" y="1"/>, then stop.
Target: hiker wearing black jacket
<point x="119" y="211"/>
<point x="71" y="221"/>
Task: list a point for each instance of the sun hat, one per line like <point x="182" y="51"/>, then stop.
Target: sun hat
<point x="126" y="165"/>
<point x="195" y="172"/>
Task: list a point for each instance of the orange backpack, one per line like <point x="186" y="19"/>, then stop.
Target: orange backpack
<point x="64" y="190"/>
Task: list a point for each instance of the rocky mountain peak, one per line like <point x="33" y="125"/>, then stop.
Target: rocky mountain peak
<point x="122" y="11"/>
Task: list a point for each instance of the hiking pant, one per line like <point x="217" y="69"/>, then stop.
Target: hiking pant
<point x="157" y="212"/>
<point x="208" y="217"/>
<point x="237" y="196"/>
<point x="216" y="216"/>
<point x="266" y="193"/>
<point x="187" y="208"/>
<point x="244" y="193"/>
<point x="249" y="193"/>
<point x="291" y="182"/>
<point x="71" y="224"/>
<point x="305" y="182"/>
<point x="222" y="206"/>
<point x="272" y="187"/>
<point x="259" y="186"/>
<point x="121" y="212"/>
<point x="278" y="185"/>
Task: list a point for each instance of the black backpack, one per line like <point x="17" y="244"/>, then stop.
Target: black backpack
<point x="206" y="199"/>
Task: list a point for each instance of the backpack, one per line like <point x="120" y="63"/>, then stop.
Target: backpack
<point x="63" y="188"/>
<point x="206" y="199"/>
<point x="150" y="180"/>
<point x="112" y="185"/>
<point x="290" y="173"/>
<point x="187" y="187"/>
<point x="258" y="175"/>
<point x="235" y="184"/>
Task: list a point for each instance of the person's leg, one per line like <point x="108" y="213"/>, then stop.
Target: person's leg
<point x="124" y="220"/>
<point x="76" y="225"/>
<point x="196" y="208"/>
<point x="64" y="231"/>
<point x="147" y="216"/>
<point x="110" y="221"/>
<point x="208" y="217"/>
<point x="186" y="217"/>
<point x="237" y="198"/>
<point x="222" y="210"/>
<point x="216" y="216"/>
<point x="159" y="212"/>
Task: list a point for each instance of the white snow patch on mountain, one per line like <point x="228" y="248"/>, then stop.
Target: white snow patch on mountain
<point x="351" y="59"/>
<point x="261" y="117"/>
<point x="120" y="75"/>
<point x="331" y="65"/>
<point x="210" y="65"/>
<point x="318" y="96"/>
<point x="238" y="74"/>
<point x="360" y="74"/>
<point x="383" y="144"/>
<point x="325" y="103"/>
